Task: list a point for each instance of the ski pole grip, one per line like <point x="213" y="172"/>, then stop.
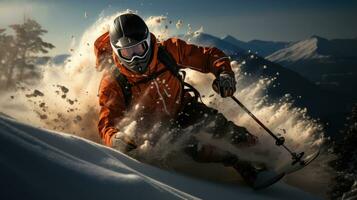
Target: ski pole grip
<point x="280" y="141"/>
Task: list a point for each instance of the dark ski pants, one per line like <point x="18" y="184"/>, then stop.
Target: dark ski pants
<point x="209" y="120"/>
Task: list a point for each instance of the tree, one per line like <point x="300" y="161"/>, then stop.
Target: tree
<point x="20" y="52"/>
<point x="345" y="164"/>
<point x="7" y="48"/>
<point x="29" y="43"/>
<point x="2" y="52"/>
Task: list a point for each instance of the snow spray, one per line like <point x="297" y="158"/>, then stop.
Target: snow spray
<point x="66" y="100"/>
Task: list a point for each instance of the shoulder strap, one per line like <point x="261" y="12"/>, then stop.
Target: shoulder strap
<point x="124" y="85"/>
<point x="166" y="58"/>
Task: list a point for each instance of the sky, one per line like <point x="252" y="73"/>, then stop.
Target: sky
<point x="274" y="20"/>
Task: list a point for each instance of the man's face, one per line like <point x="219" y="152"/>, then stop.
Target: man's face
<point x="131" y="53"/>
<point x="136" y="58"/>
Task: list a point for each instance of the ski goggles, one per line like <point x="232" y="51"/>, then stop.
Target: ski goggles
<point x="138" y="50"/>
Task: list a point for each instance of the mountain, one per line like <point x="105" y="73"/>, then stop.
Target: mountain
<point x="236" y="42"/>
<point x="303" y="50"/>
<point x="305" y="93"/>
<point x="205" y="39"/>
<point x="264" y="48"/>
<point x="332" y="64"/>
<point x="59" y="59"/>
<point x="316" y="48"/>
<point x="43" y="164"/>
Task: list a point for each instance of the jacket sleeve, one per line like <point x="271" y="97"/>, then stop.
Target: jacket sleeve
<point x="103" y="51"/>
<point x="112" y="107"/>
<point x="203" y="59"/>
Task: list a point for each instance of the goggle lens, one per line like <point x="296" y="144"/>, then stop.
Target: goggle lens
<point x="130" y="52"/>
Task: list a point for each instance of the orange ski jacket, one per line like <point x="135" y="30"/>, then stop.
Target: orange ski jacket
<point x="156" y="99"/>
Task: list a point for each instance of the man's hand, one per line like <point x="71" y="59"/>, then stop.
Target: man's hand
<point x="123" y="142"/>
<point x="225" y="84"/>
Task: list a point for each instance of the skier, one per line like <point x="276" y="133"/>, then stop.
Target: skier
<point x="145" y="79"/>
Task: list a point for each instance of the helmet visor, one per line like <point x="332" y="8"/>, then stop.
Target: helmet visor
<point x="129" y="53"/>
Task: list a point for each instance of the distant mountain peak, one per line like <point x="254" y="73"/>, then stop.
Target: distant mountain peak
<point x="319" y="40"/>
<point x="318" y="37"/>
<point x="315" y="47"/>
<point x="302" y="50"/>
<point x="228" y="37"/>
<point x="206" y="39"/>
<point x="263" y="48"/>
<point x="202" y="35"/>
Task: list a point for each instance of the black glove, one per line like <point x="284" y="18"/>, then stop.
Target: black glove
<point x="123" y="142"/>
<point x="225" y="84"/>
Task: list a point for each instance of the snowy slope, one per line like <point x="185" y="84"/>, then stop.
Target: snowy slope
<point x="303" y="50"/>
<point x="42" y="164"/>
<point x="318" y="48"/>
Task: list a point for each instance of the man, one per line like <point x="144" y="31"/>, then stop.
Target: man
<point x="145" y="81"/>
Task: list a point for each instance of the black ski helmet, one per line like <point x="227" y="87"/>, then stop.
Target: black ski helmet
<point x="130" y="40"/>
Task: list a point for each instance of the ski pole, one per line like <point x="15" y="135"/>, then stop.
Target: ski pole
<point x="279" y="141"/>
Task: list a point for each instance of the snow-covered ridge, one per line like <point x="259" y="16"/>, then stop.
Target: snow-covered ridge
<point x="303" y="50"/>
<point x="315" y="48"/>
<point x="205" y="39"/>
<point x="41" y="164"/>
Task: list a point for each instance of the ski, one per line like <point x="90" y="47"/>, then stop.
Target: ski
<point x="290" y="168"/>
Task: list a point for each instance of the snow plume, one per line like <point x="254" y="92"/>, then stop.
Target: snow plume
<point x="163" y="27"/>
<point x="65" y="99"/>
<point x="301" y="132"/>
